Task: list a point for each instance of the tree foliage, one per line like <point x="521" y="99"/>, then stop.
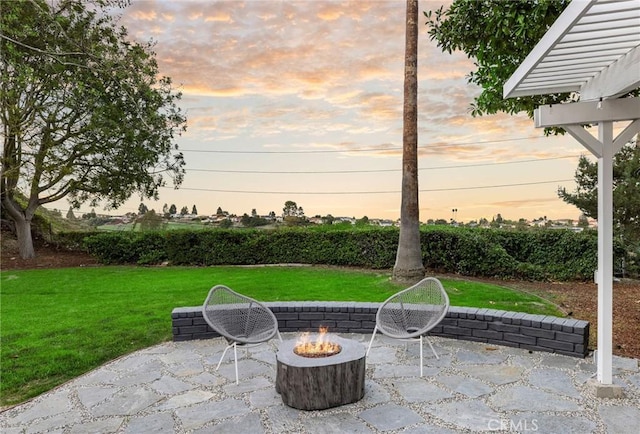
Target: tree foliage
<point x="497" y="35"/>
<point x="626" y="191"/>
<point x="150" y="221"/>
<point x="291" y="209"/>
<point x="84" y="110"/>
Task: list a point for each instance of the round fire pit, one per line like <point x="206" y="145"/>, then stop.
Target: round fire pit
<point x="316" y="383"/>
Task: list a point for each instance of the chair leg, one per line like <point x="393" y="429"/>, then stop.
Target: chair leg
<point x="223" y="354"/>
<point x="235" y="357"/>
<point x="375" y="329"/>
<point x="432" y="349"/>
<point x="421" y="358"/>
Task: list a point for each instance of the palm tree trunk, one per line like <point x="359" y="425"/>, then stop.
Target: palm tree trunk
<point x="408" y="266"/>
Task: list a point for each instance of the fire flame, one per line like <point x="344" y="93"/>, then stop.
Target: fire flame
<point x="320" y="347"/>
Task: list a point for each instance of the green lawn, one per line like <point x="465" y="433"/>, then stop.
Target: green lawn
<point x="59" y="323"/>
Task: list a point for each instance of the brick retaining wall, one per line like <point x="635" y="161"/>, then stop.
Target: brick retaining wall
<point x="566" y="336"/>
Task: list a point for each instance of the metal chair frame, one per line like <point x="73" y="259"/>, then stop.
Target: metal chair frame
<point x="241" y="320"/>
<point x="411" y="313"/>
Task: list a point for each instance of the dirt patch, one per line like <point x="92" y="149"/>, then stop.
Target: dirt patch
<point x="578" y="299"/>
<point x="47" y="256"/>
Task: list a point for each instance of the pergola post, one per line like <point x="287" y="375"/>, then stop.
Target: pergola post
<point x="605" y="255"/>
<point x="572" y="117"/>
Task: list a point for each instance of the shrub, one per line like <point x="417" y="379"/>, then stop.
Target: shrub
<point x="532" y="255"/>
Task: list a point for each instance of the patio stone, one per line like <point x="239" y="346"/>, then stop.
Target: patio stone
<point x="12" y="430"/>
<point x="522" y="398"/>
<point x="374" y="393"/>
<point x="419" y="390"/>
<point x="634" y="380"/>
<point x="394" y="371"/>
<point x="248" y="385"/>
<point x="50" y="406"/>
<point x="523" y="361"/>
<point x="186" y="369"/>
<point x="625" y="364"/>
<point x="558" y="361"/>
<point x="335" y="423"/>
<point x="177" y="356"/>
<point x="139" y="376"/>
<point x="126" y="402"/>
<point x="426" y="428"/>
<point x="379" y="355"/>
<point x="553" y="380"/>
<point x="246" y="369"/>
<point x="103" y="426"/>
<point x="197" y="415"/>
<point x="90" y="396"/>
<point x="155" y="423"/>
<point x="206" y="379"/>
<point x="469" y="414"/>
<point x="265" y="356"/>
<point x="59" y="420"/>
<point x="466" y="386"/>
<point x="101" y="376"/>
<point x="247" y="424"/>
<point x="551" y="424"/>
<point x="480" y="357"/>
<point x="620" y="419"/>
<point x="497" y="375"/>
<point x="186" y="399"/>
<point x="264" y="398"/>
<point x="284" y="419"/>
<point x="170" y="385"/>
<point x="413" y="350"/>
<point x="390" y="416"/>
<point x="135" y="361"/>
<point x="444" y="361"/>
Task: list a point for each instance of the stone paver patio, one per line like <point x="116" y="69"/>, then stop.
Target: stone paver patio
<point x="473" y="387"/>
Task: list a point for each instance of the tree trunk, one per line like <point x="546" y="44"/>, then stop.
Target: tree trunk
<point x="25" y="240"/>
<point x="408" y="266"/>
<point x="22" y="223"/>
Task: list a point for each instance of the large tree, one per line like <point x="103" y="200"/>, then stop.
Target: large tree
<point x="626" y="191"/>
<point x="84" y="111"/>
<point x="408" y="264"/>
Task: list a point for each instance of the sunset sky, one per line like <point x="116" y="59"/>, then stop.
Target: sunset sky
<point x="302" y="101"/>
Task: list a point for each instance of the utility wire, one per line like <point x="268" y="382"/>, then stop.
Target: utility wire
<point x="330" y="151"/>
<point x="371" y="192"/>
<point x="308" y="172"/>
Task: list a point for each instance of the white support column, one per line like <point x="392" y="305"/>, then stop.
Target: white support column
<point x="605" y="255"/>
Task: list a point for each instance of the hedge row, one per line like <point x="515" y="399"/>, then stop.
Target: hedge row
<point x="531" y="255"/>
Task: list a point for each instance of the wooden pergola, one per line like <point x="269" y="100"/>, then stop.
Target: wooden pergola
<point x="593" y="50"/>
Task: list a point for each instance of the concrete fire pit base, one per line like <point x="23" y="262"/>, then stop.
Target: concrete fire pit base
<point x="324" y="382"/>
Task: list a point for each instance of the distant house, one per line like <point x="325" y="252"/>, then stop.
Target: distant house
<point x="344" y="220"/>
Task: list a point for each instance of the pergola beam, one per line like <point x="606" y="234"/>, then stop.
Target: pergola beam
<point x="619" y="78"/>
<point x="623" y="109"/>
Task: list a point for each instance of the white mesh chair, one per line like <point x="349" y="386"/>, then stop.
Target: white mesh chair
<point x="411" y="313"/>
<point x="240" y="319"/>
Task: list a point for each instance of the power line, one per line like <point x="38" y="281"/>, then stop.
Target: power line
<point x="309" y="172"/>
<point x="331" y="151"/>
<point x="371" y="192"/>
